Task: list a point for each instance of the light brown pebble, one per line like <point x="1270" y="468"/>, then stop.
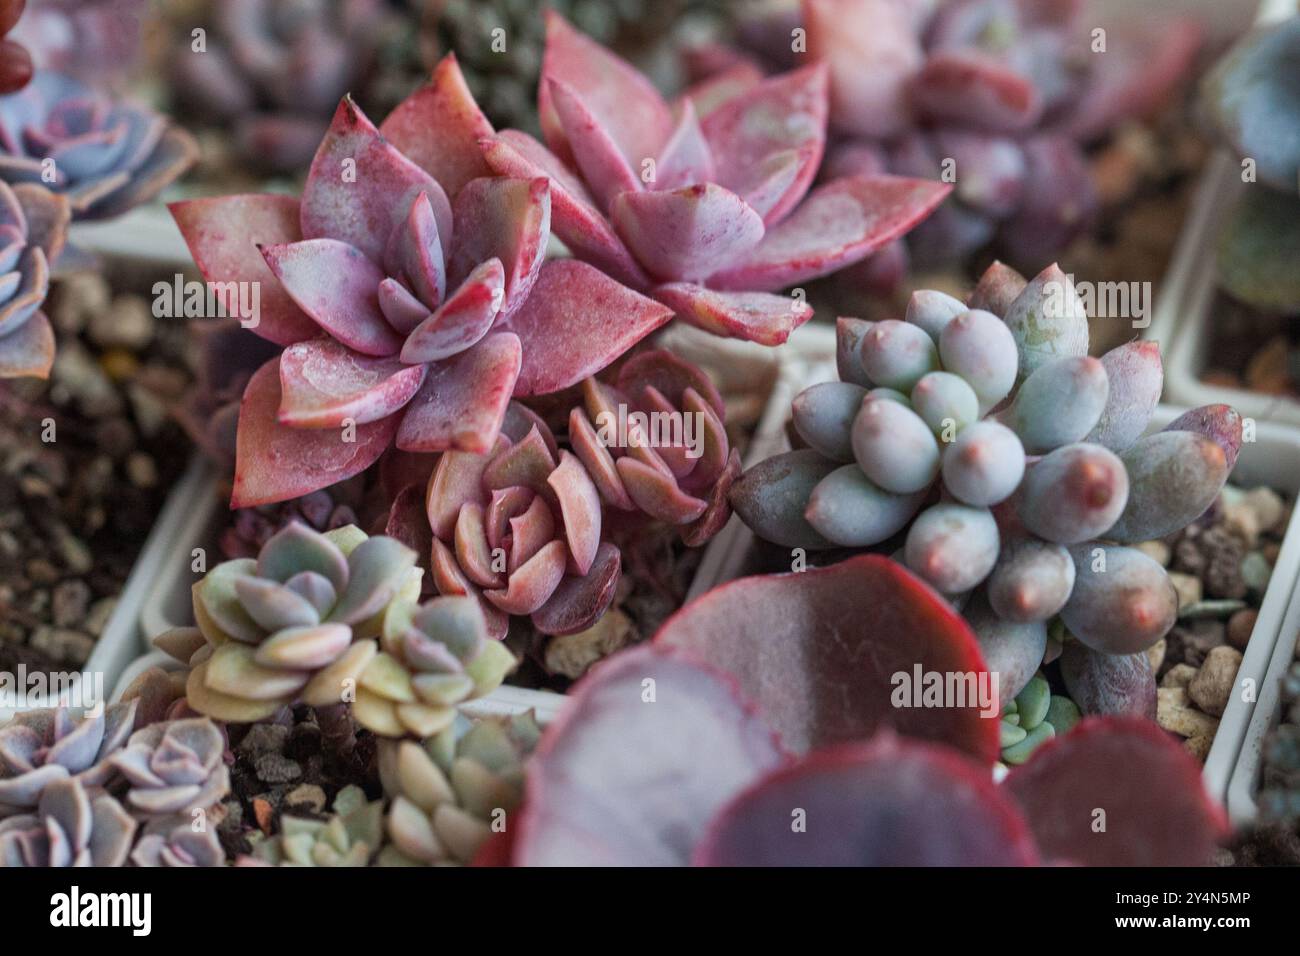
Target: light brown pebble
<point x="1188" y="587"/>
<point x="1199" y="746"/>
<point x="1211" y="688"/>
<point x="1156" y="654"/>
<point x="1267" y="505"/>
<point x="100" y="612"/>
<point x="1180" y="675"/>
<point x="571" y="654"/>
<point x="1243" y="521"/>
<point x="1157" y="551"/>
<point x="308" y="795"/>
<point x="64" y="644"/>
<point x="1175" y="713"/>
<point x="1240" y="626"/>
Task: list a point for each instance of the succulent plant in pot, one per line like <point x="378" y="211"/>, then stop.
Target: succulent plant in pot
<point x="452" y="791"/>
<point x="1000" y="97"/>
<point x="409" y="291"/>
<point x="106" y="155"/>
<point x="270" y="72"/>
<point x="1011" y="472"/>
<point x="703" y="204"/>
<point x="1253" y="108"/>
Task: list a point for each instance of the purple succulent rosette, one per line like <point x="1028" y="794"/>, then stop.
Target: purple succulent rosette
<point x="1010" y="91"/>
<point x="273" y="71"/>
<point x="92" y="40"/>
<point x="106" y="156"/>
<point x="33" y="227"/>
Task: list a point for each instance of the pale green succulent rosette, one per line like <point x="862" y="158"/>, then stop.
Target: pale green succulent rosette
<point x="349" y="837"/>
<point x="432" y="658"/>
<point x="1035" y="716"/>
<point x="450" y="793"/>
<point x="298" y="624"/>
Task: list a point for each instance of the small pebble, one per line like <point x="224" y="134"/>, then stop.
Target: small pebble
<point x="1188" y="587"/>
<point x="1256" y="571"/>
<point x="1175" y="713"/>
<point x="1157" y="551"/>
<point x="63" y="644"/>
<point x="1240" y="626"/>
<point x="128" y="323"/>
<point x="1199" y="746"/>
<point x="1211" y="688"/>
<point x="141" y="470"/>
<point x="572" y="654"/>
<point x="276" y="768"/>
<point x="69" y="603"/>
<point x="1180" y="675"/>
<point x="307" y="795"/>
<point x="1156" y="654"/>
<point x="100" y="612"/>
<point x="1268" y="506"/>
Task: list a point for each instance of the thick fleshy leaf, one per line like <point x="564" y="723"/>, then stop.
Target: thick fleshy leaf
<point x="533" y="583"/>
<point x="1059" y="200"/>
<point x="620" y="99"/>
<point x="889" y="802"/>
<point x="1157" y="812"/>
<point x="971" y="88"/>
<point x="175" y="152"/>
<point x="28" y="351"/>
<point x="1222" y="424"/>
<point x="872" y="52"/>
<point x="579" y="508"/>
<point x="777" y="129"/>
<point x="578" y="602"/>
<point x="819" y="652"/>
<point x="414" y="255"/>
<point x="323" y="383"/>
<point x="754" y="316"/>
<point x="337" y="285"/>
<point x="275" y="463"/>
<point x="624" y="779"/>
<point x="687" y="233"/>
<point x="505" y="219"/>
<point x="576" y="321"/>
<point x="360" y="186"/>
<point x="575" y="218"/>
<point x="1136" y="375"/>
<point x="462" y="320"/>
<point x="604" y="168"/>
<point x="772" y="497"/>
<point x="463" y="399"/>
<point x="223" y="235"/>
<point x="686" y="158"/>
<point x="1254" y="106"/>
<point x="47" y="215"/>
<point x="1145" y="64"/>
<point x="444" y="104"/>
<point x="838" y="224"/>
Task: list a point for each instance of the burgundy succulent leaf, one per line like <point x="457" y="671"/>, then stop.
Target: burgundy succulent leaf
<point x="408" y="314"/>
<point x="659" y="760"/>
<point x="819" y="651"/>
<point x="888" y="802"/>
<point x="648" y="747"/>
<point x="105" y="155"/>
<point x="702" y="202"/>
<point x="1156" y="811"/>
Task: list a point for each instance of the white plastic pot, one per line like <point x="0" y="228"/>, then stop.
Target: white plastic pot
<point x="1272" y="460"/>
<point x="1243" y="785"/>
<point x="1185" y="313"/>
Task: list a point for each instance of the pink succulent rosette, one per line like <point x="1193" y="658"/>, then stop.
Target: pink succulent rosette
<point x="705" y="202"/>
<point x="33" y="227"/>
<point x="408" y="288"/>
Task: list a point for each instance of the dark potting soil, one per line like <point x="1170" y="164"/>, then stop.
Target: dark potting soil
<point x="86" y="461"/>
